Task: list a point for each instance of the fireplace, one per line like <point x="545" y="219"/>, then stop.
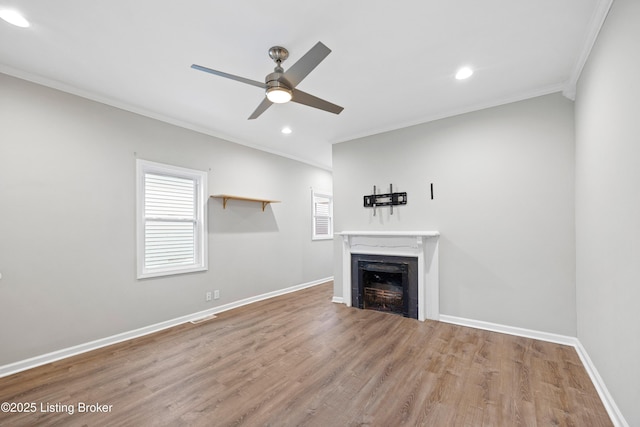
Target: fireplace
<point x="385" y="283"/>
<point x="419" y="245"/>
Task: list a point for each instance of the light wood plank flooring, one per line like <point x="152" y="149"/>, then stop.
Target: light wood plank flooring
<point x="300" y="359"/>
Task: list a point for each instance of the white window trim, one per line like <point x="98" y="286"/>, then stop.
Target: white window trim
<point x="328" y="195"/>
<point x="201" y="251"/>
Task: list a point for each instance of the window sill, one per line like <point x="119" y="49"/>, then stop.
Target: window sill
<point x="172" y="272"/>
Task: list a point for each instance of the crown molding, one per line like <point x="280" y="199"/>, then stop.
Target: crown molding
<point x="92" y="96"/>
<point x="470" y="108"/>
<point x="595" y="25"/>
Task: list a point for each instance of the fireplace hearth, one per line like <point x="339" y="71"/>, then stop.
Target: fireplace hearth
<point x="385" y="283"/>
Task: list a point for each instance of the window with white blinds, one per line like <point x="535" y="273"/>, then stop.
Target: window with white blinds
<point x="171" y="226"/>
<point x="322" y="212"/>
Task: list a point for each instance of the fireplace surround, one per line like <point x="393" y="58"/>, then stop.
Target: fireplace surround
<point x="421" y="245"/>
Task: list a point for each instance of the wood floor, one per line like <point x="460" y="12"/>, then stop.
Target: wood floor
<point x="300" y="359"/>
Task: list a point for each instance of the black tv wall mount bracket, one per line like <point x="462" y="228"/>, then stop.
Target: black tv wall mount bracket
<point x="390" y="199"/>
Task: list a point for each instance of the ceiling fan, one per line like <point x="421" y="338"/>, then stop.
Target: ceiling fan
<point x="280" y="86"/>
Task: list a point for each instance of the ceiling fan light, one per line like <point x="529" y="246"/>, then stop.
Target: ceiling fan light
<point x="279" y="95"/>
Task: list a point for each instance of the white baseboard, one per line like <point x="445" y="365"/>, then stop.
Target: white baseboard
<point x="511" y="330"/>
<point x="607" y="400"/>
<point x="612" y="409"/>
<point x="33" y="362"/>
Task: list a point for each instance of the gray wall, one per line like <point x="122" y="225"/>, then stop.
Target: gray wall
<point x="608" y="206"/>
<point x="504" y="203"/>
<point x="67" y="221"/>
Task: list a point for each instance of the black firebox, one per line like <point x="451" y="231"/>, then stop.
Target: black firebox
<point x="385" y="283"/>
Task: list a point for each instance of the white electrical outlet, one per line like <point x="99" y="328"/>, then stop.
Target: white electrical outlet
<point x="216" y="294"/>
<point x="208" y="296"/>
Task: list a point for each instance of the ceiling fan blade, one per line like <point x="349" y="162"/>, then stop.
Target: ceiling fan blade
<point x="312" y="101"/>
<point x="261" y="108"/>
<point x="229" y="76"/>
<point x="306" y="64"/>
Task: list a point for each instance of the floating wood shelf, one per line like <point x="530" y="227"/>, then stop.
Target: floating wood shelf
<point x="227" y="197"/>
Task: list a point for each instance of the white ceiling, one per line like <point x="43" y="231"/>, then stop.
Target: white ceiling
<point x="392" y="63"/>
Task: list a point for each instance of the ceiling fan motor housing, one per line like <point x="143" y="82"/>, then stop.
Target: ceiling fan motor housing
<point x="276" y="79"/>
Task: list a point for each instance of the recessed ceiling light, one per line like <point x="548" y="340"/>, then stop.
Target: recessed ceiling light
<point x="464" y="73"/>
<point x="14" y="17"/>
<point x="286" y="130"/>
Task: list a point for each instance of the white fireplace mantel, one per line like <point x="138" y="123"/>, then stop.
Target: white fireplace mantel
<point x="420" y="244"/>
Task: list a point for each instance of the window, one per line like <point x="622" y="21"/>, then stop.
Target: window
<point x="322" y="212"/>
<point x="171" y="227"/>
